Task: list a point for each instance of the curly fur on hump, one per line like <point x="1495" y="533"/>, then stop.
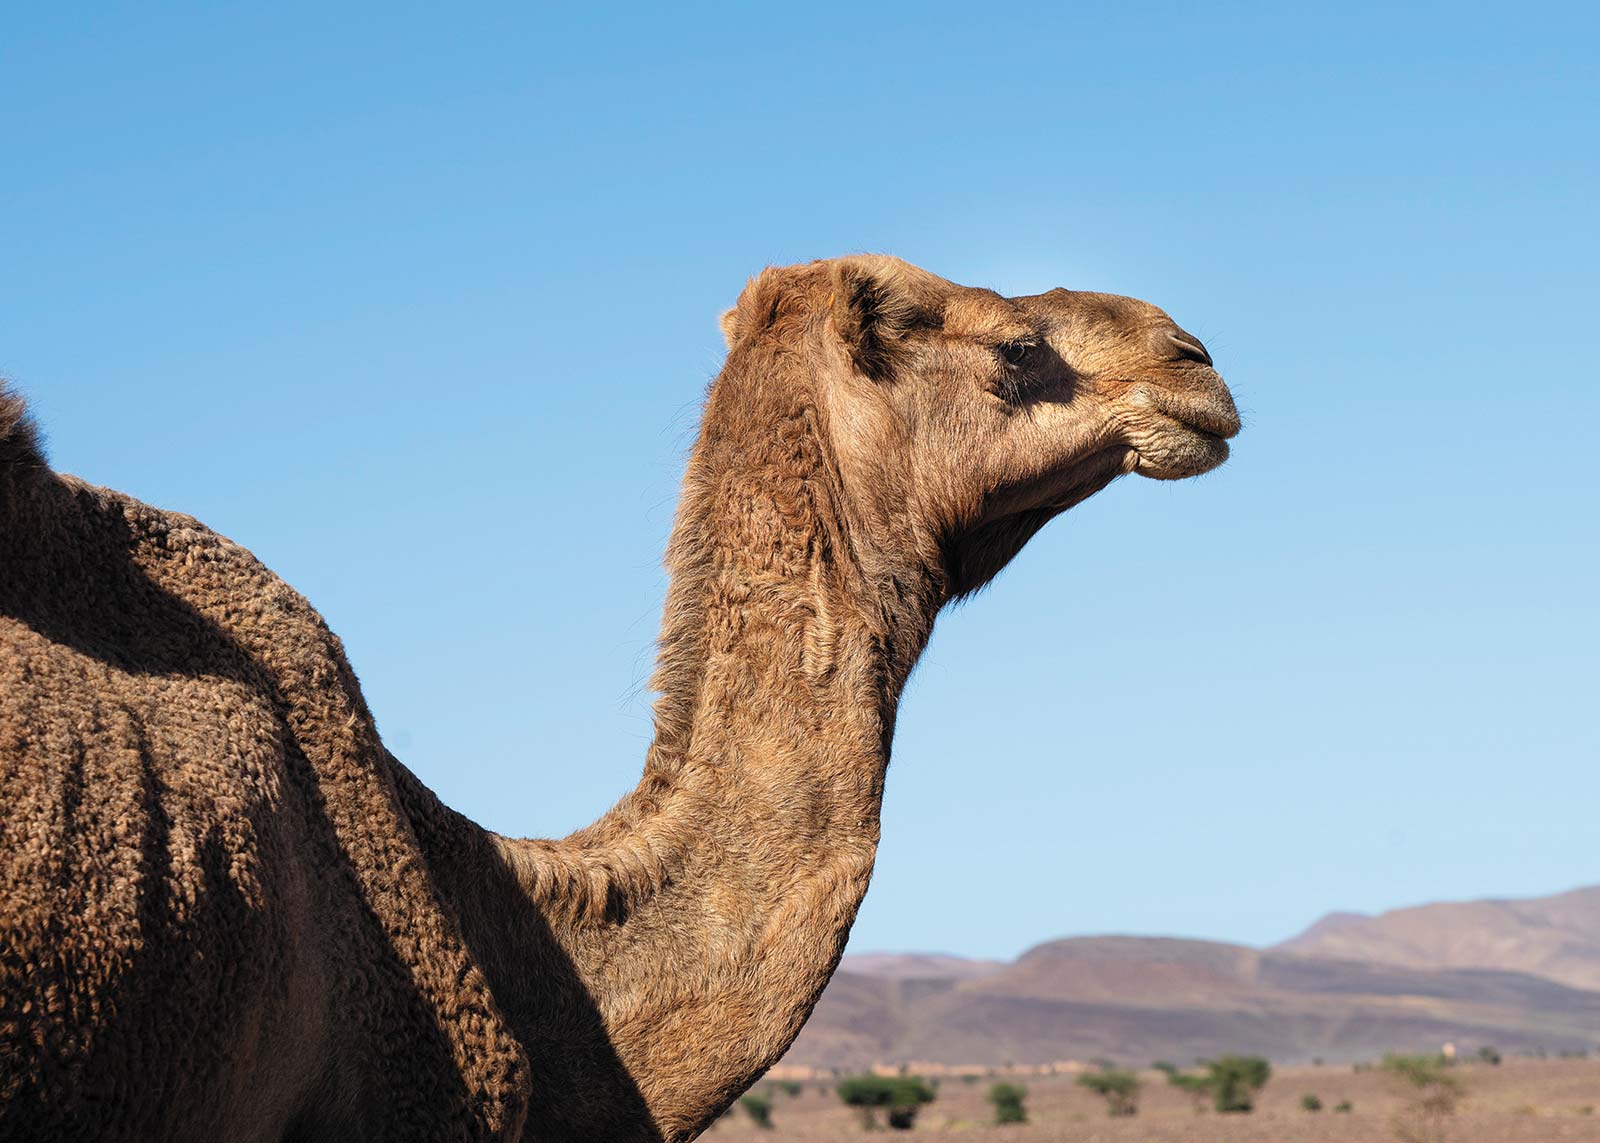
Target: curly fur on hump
<point x="192" y="784"/>
<point x="19" y="437"/>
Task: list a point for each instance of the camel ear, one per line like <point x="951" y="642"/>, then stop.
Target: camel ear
<point x="872" y="312"/>
<point x="756" y="307"/>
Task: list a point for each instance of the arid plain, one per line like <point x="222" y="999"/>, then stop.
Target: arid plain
<point x="1520" y="1101"/>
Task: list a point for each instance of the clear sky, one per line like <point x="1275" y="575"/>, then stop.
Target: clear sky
<point x="418" y="303"/>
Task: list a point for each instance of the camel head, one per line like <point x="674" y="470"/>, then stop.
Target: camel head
<point x="962" y="421"/>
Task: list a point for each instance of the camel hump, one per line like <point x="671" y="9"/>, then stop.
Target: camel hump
<point x="19" y="436"/>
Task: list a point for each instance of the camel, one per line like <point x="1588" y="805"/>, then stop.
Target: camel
<point x="227" y="912"/>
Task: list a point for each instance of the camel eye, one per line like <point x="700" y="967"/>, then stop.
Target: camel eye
<point x="1014" y="353"/>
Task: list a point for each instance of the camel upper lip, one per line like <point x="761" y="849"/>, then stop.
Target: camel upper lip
<point x="1214" y="429"/>
<point x="1210" y="411"/>
<point x="1214" y="418"/>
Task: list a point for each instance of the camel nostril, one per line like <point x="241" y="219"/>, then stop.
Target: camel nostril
<point x="1189" y="347"/>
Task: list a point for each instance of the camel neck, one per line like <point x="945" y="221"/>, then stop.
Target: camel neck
<point x="711" y="905"/>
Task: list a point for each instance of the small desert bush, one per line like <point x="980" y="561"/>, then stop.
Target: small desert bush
<point x="1008" y="1106"/>
<point x="1118" y="1088"/>
<point x="898" y="1097"/>
<point x="1197" y="1088"/>
<point x="1235" y="1082"/>
<point x="1310" y="1103"/>
<point x="758" y="1108"/>
<point x="1429" y="1091"/>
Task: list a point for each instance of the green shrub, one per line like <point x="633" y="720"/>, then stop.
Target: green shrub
<point x="899" y="1097"/>
<point x="1344" y="1107"/>
<point x="1118" y="1088"/>
<point x="1197" y="1088"/>
<point x="1489" y="1055"/>
<point x="789" y="1087"/>
<point x="1429" y="1091"/>
<point x="759" y="1108"/>
<point x="1310" y="1103"/>
<point x="1007" y="1099"/>
<point x="1235" y="1081"/>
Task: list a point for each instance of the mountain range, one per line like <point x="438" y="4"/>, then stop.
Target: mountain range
<point x="1521" y="975"/>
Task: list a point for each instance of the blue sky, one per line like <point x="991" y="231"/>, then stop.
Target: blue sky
<point x="419" y="305"/>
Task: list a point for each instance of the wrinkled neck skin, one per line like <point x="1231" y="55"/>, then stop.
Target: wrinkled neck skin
<point x="706" y="911"/>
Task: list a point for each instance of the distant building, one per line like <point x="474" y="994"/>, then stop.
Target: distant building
<point x="793" y="1072"/>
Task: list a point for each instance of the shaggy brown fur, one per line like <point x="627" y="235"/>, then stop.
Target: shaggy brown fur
<point x="229" y="913"/>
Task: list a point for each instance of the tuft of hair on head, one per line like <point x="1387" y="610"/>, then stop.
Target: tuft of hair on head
<point x="19" y="436"/>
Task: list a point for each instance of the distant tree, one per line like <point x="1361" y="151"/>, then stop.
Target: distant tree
<point x="1489" y="1055"/>
<point x="1310" y="1102"/>
<point x="1429" y="1091"/>
<point x="1344" y="1107"/>
<point x="759" y="1108"/>
<point x="1235" y="1081"/>
<point x="1007" y="1099"/>
<point x="1196" y="1087"/>
<point x="1119" y="1089"/>
<point x="1166" y="1067"/>
<point x="899" y="1097"/>
<point x="789" y="1088"/>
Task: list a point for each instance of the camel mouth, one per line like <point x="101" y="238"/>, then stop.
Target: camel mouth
<point x="1208" y="413"/>
<point x="1179" y="434"/>
<point x="1179" y="450"/>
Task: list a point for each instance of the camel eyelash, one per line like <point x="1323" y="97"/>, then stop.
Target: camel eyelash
<point x="1011" y="384"/>
<point x="1014" y="353"/>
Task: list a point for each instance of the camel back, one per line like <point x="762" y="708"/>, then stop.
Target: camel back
<point x="208" y="887"/>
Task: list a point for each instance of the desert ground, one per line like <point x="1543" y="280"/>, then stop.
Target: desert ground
<point x="1520" y="1101"/>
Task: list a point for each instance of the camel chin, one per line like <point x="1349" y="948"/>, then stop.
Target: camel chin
<point x="1180" y="452"/>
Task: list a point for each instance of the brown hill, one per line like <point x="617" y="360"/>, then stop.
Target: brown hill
<point x="920" y="966"/>
<point x="1556" y="937"/>
<point x="1137" y="999"/>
